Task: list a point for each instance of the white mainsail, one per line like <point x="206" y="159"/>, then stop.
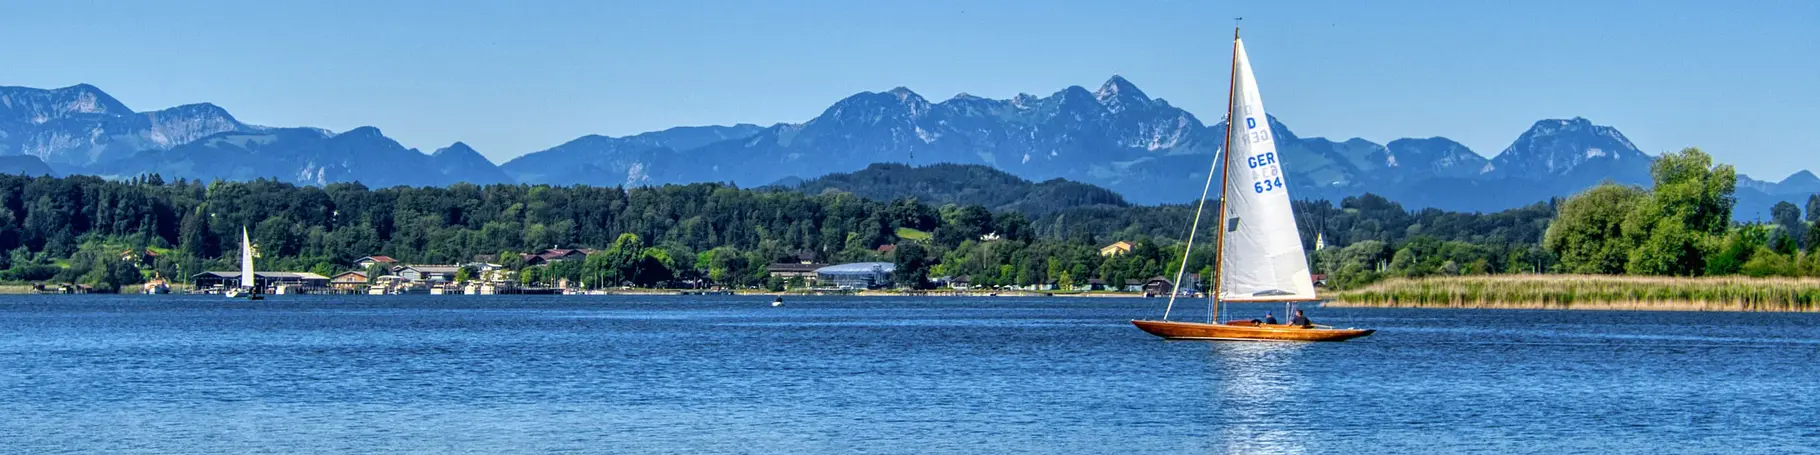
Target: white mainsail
<point x="246" y="259"/>
<point x="1262" y="257"/>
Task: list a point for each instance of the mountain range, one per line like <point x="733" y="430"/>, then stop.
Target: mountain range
<point x="1116" y="137"/>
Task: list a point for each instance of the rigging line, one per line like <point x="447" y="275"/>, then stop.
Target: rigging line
<point x="1194" y="227"/>
<point x="1176" y="287"/>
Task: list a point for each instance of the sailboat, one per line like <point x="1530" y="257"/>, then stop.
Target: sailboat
<point x="1259" y="251"/>
<point x="248" y="286"/>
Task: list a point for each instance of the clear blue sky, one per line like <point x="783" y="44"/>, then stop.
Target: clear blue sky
<point x="1740" y="79"/>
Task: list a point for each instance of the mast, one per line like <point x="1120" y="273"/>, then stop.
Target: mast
<point x="1175" y="288"/>
<point x="1219" y="248"/>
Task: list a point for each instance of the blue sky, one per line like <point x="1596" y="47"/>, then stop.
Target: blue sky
<point x="1740" y="79"/>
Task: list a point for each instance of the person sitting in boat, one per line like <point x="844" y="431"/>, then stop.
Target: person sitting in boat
<point x="1269" y="318"/>
<point x="1300" y="320"/>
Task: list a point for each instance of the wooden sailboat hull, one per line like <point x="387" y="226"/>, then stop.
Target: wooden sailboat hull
<point x="1173" y="330"/>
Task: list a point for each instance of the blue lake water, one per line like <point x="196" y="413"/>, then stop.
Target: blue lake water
<point x="725" y="374"/>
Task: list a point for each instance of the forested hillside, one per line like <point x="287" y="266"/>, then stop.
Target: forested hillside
<point x="77" y="228"/>
<point x="964" y="184"/>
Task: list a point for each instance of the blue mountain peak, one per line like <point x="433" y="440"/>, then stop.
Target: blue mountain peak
<point x="1118" y="87"/>
<point x="361" y="133"/>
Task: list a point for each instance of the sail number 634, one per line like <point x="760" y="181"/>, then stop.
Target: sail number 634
<point x="1263" y="186"/>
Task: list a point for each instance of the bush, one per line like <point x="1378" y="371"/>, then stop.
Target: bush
<point x="1767" y="262"/>
<point x="30" y="272"/>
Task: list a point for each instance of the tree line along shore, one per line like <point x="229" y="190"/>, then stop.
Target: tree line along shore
<point x="1674" y="246"/>
<point x="110" y="235"/>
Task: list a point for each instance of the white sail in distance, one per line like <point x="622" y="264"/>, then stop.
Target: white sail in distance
<point x="1262" y="257"/>
<point x="246" y="259"/>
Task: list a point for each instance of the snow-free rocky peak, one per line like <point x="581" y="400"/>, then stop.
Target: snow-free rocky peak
<point x="1558" y="147"/>
<point x="1118" y="94"/>
<point x="39" y="106"/>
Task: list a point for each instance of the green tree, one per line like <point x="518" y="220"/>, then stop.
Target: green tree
<point x="509" y="260"/>
<point x="653" y="268"/>
<point x="1782" y="242"/>
<point x="601" y="270"/>
<point x="1812" y="242"/>
<point x="1788" y="217"/>
<point x="1408" y="262"/>
<point x="375" y="270"/>
<point x="963" y="224"/>
<point x="621" y="262"/>
<point x="1689" y="207"/>
<point x="729" y="266"/>
<point x="1765" y="262"/>
<point x="1808" y="265"/>
<point x="1668" y="249"/>
<point x="121" y="274"/>
<point x="912" y="266"/>
<point x="166" y="266"/>
<point x="195" y="235"/>
<point x="1588" y="235"/>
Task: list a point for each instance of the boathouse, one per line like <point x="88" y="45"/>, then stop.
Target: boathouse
<point x="265" y="280"/>
<point x="858" y="275"/>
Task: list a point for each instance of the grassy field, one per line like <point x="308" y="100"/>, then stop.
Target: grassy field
<point x="1591" y="292"/>
<point x="911" y="234"/>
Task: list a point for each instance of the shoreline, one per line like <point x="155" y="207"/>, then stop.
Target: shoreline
<point x="1339" y="300"/>
<point x="28" y="290"/>
<point x="1686" y="306"/>
<point x="1590" y="293"/>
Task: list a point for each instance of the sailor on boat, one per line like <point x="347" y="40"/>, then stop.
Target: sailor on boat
<point x="1299" y="320"/>
<point x="1270" y="318"/>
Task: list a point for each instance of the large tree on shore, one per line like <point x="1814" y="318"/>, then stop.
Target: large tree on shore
<point x="912" y="265"/>
<point x="1788" y="216"/>
<point x="1588" y="234"/>
<point x="1689" y="208"/>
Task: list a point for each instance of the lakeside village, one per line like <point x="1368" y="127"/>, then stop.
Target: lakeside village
<point x="384" y="275"/>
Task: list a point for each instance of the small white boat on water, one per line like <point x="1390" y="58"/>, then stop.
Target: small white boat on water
<point x="249" y="287"/>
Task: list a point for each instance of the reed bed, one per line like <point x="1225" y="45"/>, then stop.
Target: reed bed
<point x="1591" y="292"/>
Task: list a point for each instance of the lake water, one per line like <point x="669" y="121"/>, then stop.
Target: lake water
<point x="725" y="374"/>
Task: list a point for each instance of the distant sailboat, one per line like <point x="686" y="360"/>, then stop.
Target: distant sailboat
<point x="249" y="287"/>
<point x="1259" y="255"/>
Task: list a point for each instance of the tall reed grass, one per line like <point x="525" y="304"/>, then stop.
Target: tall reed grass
<point x="1733" y="293"/>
